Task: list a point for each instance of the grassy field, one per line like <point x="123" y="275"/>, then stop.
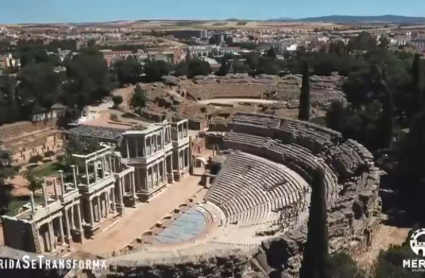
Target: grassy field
<point x="17" y="203"/>
<point x="47" y="169"/>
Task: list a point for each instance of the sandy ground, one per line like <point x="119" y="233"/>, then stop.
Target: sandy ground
<point x="236" y="100"/>
<point x="140" y="219"/>
<point x="385" y="237"/>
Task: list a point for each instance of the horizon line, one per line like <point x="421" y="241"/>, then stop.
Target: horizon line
<point x="187" y="19"/>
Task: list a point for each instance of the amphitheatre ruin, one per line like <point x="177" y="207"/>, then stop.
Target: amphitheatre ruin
<point x="159" y="204"/>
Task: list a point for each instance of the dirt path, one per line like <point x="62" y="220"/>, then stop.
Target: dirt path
<point x="237" y="100"/>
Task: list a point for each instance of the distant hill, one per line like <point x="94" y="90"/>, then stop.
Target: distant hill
<point x="349" y="19"/>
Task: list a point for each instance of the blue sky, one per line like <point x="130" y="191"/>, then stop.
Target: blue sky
<point x="41" y="11"/>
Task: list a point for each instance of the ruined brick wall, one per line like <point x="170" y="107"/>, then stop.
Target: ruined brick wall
<point x="221" y="264"/>
<point x="19" y="234"/>
<point x="15" y="130"/>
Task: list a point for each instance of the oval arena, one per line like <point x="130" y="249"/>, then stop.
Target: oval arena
<point x="253" y="215"/>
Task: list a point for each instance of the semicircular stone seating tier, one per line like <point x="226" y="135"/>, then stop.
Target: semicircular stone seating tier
<point x="301" y="146"/>
<point x="250" y="189"/>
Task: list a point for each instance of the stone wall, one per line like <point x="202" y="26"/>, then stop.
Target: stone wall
<point x="197" y="124"/>
<point x="18" y="234"/>
<point x="221" y="264"/>
<point x="15" y="130"/>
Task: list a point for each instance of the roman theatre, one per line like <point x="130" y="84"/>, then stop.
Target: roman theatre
<point x="251" y="220"/>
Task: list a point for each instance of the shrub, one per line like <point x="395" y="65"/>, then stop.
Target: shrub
<point x="114" y="118"/>
<point x="49" y="153"/>
<point x="117" y="100"/>
<point x="35" y="158"/>
<point x="60" y="157"/>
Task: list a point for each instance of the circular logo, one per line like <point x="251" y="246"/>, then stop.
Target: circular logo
<point x="418" y="247"/>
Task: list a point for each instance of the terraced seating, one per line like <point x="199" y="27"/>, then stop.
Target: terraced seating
<point x="249" y="188"/>
<point x="300" y="159"/>
<point x="262" y="120"/>
<point x="348" y="157"/>
<point x="314" y="137"/>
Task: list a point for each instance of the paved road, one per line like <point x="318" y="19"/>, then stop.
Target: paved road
<point x="236" y="100"/>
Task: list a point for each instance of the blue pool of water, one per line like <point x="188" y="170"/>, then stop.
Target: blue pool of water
<point x="188" y="226"/>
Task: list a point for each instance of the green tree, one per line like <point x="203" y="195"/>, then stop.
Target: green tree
<point x="267" y="65"/>
<point x="138" y="100"/>
<point x="6" y="171"/>
<point x="341" y="265"/>
<point x="155" y="70"/>
<point x="78" y="145"/>
<point x="198" y="67"/>
<point x="34" y="182"/>
<point x="418" y="96"/>
<point x="88" y="79"/>
<point x="271" y="53"/>
<point x="224" y="68"/>
<point x="128" y="71"/>
<point x="9" y="104"/>
<point x="304" y="106"/>
<point x="117" y="99"/>
<point x="315" y="254"/>
<point x="390" y="263"/>
<point x="388" y="114"/>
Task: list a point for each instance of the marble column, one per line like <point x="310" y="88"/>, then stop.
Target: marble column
<point x="80" y="222"/>
<point x="114" y="207"/>
<point x="171" y="167"/>
<point x="87" y="173"/>
<point x="99" y="208"/>
<point x="133" y="187"/>
<point x="67" y="226"/>
<point x="61" y="230"/>
<point x="91" y="212"/>
<point x="178" y="161"/>
<point x="55" y="189"/>
<point x="110" y="165"/>
<point x="62" y="182"/>
<point x="128" y="150"/>
<point x="74" y="175"/>
<point x="108" y="204"/>
<point x="103" y="167"/>
<point x="120" y="195"/>
<point x="144" y="146"/>
<point x="72" y="217"/>
<point x="164" y="171"/>
<point x="51" y="236"/>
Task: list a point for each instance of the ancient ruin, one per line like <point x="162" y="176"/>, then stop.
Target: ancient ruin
<point x="252" y="216"/>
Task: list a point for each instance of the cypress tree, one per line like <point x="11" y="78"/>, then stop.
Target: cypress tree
<point x="418" y="98"/>
<point x="315" y="252"/>
<point x="388" y="112"/>
<point x="304" y="107"/>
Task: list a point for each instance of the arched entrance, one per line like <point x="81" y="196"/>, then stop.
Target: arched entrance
<point x="199" y="164"/>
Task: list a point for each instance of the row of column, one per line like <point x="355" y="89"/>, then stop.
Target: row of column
<point x="154" y="178"/>
<point x="100" y="205"/>
<point x="183" y="158"/>
<point x="104" y="165"/>
<point x="147" y="149"/>
<point x="70" y="220"/>
<point x="123" y="191"/>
